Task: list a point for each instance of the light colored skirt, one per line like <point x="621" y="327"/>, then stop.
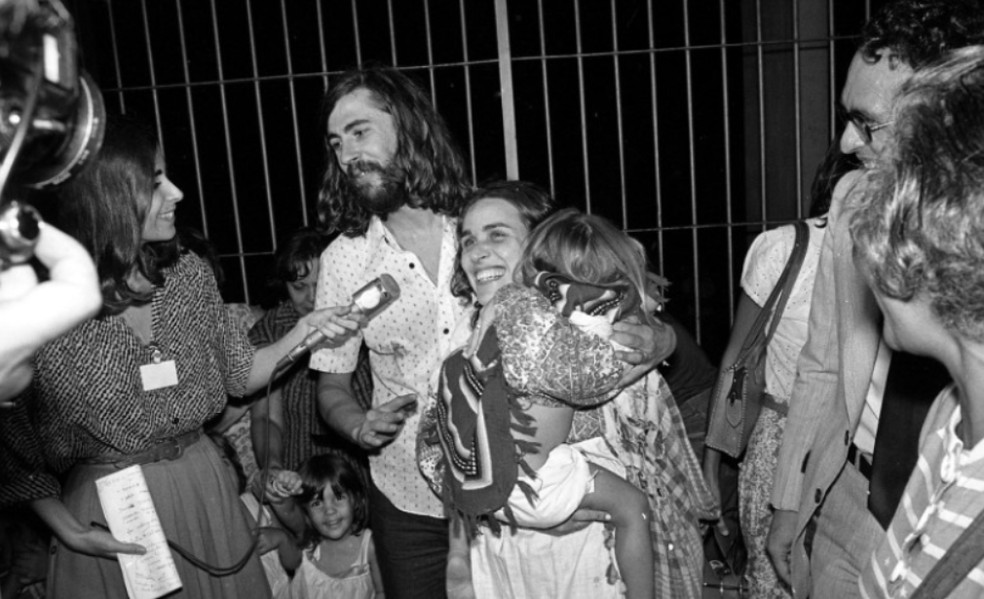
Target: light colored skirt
<point x="198" y="505"/>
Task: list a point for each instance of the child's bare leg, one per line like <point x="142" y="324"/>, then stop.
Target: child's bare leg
<point x="459" y="582"/>
<point x="630" y="514"/>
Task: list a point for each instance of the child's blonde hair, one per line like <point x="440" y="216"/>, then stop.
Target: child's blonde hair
<point x="587" y="249"/>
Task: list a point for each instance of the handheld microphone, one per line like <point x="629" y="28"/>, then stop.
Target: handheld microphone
<point x="371" y="299"/>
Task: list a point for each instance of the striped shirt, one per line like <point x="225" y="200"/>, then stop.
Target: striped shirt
<point x="305" y="433"/>
<point x="943" y="496"/>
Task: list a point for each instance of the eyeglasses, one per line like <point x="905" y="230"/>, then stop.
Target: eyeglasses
<point x="864" y="128"/>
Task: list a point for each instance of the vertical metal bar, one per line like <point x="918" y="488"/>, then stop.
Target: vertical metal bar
<point x="618" y="118"/>
<point x="264" y="157"/>
<point x="546" y="97"/>
<point x="655" y="117"/>
<point x="191" y="118"/>
<point x="392" y="32"/>
<point x="116" y="55"/>
<point x="468" y="94"/>
<point x="293" y="117"/>
<point x="832" y="82"/>
<point x="355" y="28"/>
<point x="761" y="108"/>
<point x="693" y="161"/>
<point x="581" y="99"/>
<point x="430" y="52"/>
<point x="321" y="45"/>
<point x="228" y="144"/>
<point x="797" y="110"/>
<point x="153" y="73"/>
<point x="727" y="159"/>
<point x="506" y="89"/>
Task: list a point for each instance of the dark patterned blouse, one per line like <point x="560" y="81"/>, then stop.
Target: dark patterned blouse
<point x="298" y="390"/>
<point x="87" y="398"/>
<point x="305" y="433"/>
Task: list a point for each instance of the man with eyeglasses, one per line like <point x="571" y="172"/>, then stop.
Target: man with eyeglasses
<point x="839" y="476"/>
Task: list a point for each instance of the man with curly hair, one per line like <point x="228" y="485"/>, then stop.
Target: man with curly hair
<point x="824" y="528"/>
<point x="919" y="240"/>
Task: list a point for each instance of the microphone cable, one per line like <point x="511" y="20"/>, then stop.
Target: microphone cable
<point x="220" y="571"/>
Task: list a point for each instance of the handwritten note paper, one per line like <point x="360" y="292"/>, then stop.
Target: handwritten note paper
<point x="131" y="516"/>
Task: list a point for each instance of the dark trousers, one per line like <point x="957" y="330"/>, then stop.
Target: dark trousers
<point x="412" y="550"/>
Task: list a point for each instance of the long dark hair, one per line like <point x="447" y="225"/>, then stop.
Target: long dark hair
<point x="433" y="169"/>
<point x="105" y="206"/>
<point x="339" y="472"/>
<point x="835" y="165"/>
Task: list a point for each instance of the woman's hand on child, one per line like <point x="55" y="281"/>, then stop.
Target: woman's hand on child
<point x="338" y="324"/>
<point x="648" y="346"/>
<point x="580" y="519"/>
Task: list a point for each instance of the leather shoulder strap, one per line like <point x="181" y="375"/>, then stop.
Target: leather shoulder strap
<point x="776" y="303"/>
<point x="965" y="553"/>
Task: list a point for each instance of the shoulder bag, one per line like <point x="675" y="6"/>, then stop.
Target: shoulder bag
<point x="737" y="397"/>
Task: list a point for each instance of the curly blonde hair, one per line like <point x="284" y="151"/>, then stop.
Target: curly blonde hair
<point x="919" y="228"/>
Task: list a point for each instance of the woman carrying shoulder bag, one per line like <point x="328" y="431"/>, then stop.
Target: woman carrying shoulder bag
<point x="765" y="263"/>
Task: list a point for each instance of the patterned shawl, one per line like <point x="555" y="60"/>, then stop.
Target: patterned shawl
<point x="476" y="412"/>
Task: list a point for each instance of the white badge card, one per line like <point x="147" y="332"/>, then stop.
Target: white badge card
<point x="159" y="375"/>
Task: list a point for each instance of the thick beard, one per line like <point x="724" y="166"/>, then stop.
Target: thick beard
<point x="381" y="197"/>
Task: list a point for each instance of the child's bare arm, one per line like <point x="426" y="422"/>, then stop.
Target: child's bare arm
<point x="377" y="576"/>
<point x="272" y="537"/>
<point x="279" y="494"/>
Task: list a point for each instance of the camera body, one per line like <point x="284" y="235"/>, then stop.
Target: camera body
<point x="52" y="116"/>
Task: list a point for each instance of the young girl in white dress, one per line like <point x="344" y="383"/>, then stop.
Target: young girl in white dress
<point x="339" y="559"/>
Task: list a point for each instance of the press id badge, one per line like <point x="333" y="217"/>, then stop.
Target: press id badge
<point x="159" y="373"/>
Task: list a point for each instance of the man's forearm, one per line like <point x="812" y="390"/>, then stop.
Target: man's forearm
<point x="338" y="406"/>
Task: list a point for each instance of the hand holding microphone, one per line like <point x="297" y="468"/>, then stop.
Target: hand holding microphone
<point x="367" y="302"/>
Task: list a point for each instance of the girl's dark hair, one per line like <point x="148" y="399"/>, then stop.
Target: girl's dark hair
<point x="426" y="154"/>
<point x="105" y="206"/>
<point x="344" y="476"/>
<point x="291" y="260"/>
<point x="835" y="165"/>
<point x="533" y="203"/>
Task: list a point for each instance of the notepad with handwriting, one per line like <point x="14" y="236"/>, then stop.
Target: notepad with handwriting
<point x="130" y="514"/>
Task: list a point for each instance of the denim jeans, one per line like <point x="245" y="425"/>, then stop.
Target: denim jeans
<point x="412" y="550"/>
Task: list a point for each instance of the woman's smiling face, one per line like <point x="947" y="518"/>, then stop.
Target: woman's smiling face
<point x="493" y="235"/>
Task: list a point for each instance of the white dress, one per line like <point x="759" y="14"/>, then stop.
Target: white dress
<point x="311" y="583"/>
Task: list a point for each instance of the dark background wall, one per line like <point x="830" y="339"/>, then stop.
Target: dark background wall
<point x="693" y="124"/>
